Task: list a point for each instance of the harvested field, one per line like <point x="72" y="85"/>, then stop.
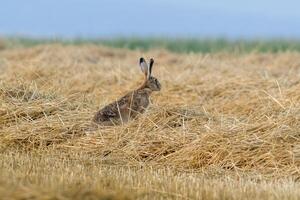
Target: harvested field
<point x="224" y="126"/>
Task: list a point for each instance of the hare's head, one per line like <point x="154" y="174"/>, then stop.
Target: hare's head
<point x="150" y="81"/>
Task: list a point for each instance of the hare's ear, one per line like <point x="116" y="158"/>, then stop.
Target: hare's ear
<point x="144" y="66"/>
<point x="150" y="66"/>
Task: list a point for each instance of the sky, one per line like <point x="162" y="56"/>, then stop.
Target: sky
<point x="150" y="18"/>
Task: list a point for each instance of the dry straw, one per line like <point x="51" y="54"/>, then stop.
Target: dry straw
<point x="234" y="112"/>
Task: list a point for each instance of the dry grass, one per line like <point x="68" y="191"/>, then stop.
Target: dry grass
<point x="224" y="126"/>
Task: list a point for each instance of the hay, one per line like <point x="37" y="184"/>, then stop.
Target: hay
<point x="226" y="111"/>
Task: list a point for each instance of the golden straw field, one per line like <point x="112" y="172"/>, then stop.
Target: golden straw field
<point x="224" y="125"/>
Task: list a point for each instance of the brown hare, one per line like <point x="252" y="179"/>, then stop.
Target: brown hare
<point x="132" y="104"/>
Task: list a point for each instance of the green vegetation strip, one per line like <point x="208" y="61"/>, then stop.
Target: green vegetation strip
<point x="179" y="45"/>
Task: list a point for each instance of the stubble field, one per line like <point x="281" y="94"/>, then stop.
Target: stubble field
<point x="224" y="126"/>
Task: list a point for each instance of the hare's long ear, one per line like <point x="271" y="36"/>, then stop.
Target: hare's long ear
<point x="144" y="66"/>
<point x="150" y="66"/>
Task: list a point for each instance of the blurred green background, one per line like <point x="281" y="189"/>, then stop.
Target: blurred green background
<point x="178" y="45"/>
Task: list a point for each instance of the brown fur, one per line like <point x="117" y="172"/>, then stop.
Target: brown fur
<point x="129" y="106"/>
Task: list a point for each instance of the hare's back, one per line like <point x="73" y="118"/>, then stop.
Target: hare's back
<point x="112" y="111"/>
<point x="105" y="114"/>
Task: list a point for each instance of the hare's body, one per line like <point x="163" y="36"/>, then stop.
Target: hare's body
<point x="130" y="105"/>
<point x="124" y="109"/>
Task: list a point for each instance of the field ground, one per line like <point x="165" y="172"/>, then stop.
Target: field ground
<point x="224" y="126"/>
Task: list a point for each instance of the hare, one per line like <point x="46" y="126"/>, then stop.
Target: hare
<point x="132" y="104"/>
